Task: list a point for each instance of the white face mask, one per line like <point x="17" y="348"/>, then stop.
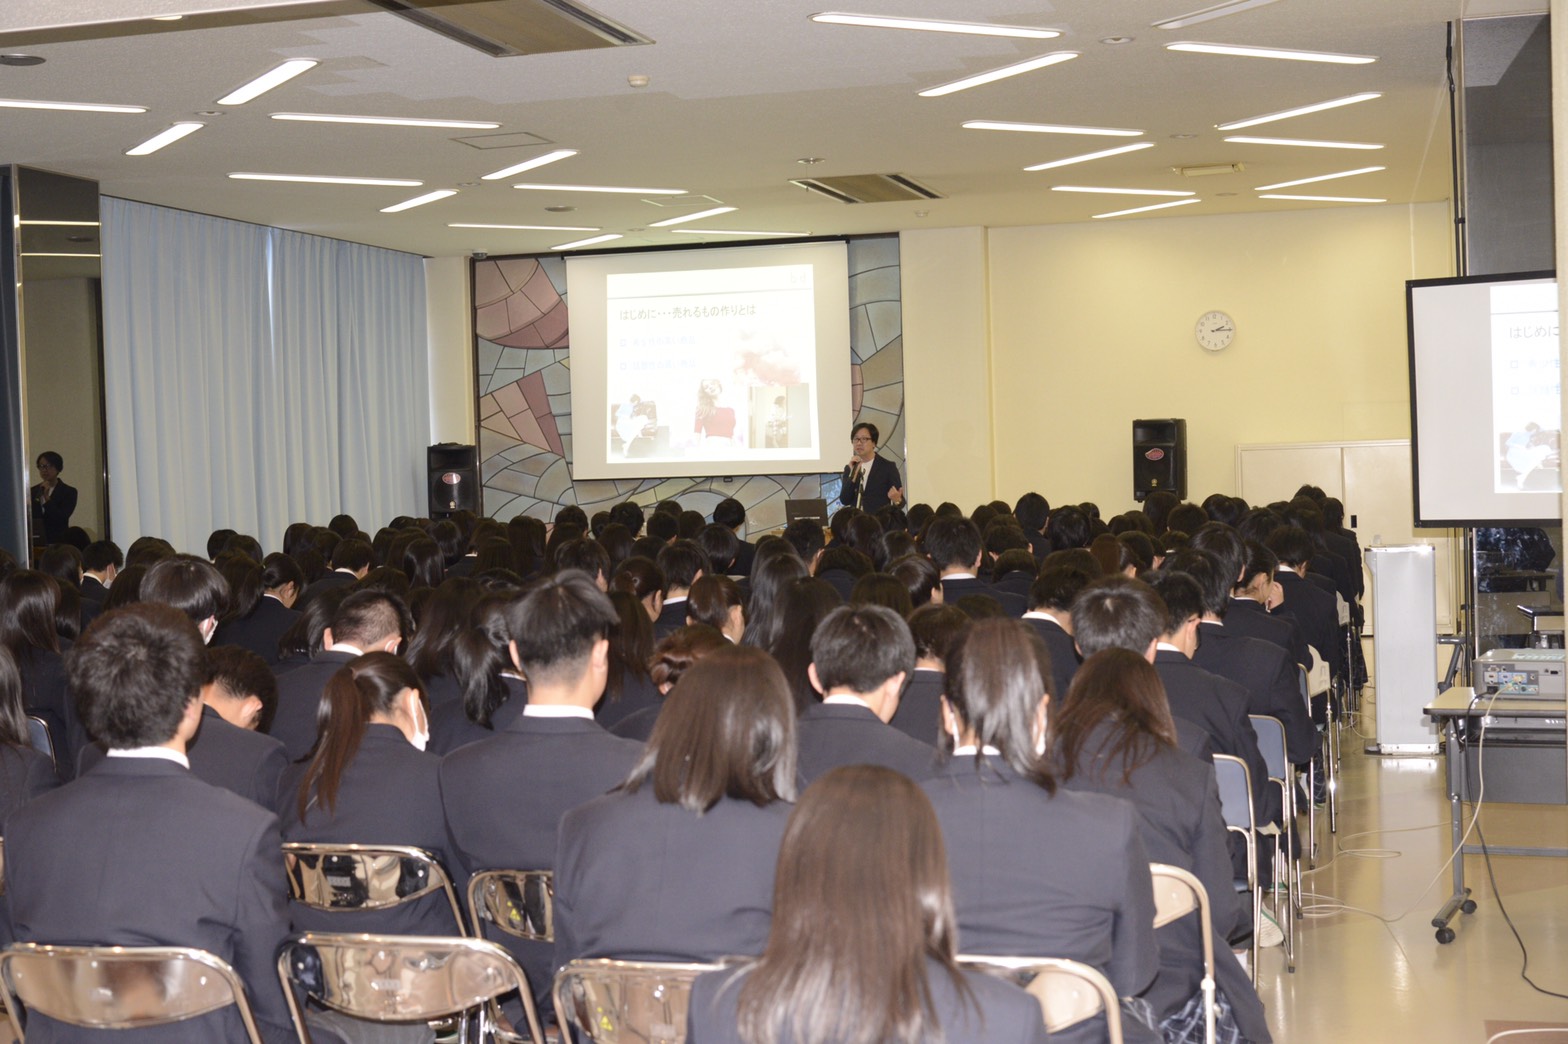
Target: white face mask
<point x="421" y="737"/>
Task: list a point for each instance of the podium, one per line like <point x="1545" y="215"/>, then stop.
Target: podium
<point x="1404" y="646"/>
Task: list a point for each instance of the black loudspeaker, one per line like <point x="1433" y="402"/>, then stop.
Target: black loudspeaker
<point x="1159" y="457"/>
<point x="453" y="473"/>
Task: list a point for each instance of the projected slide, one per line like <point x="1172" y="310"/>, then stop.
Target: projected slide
<point x="711" y="364"/>
<point x="720" y="361"/>
<point x="1526" y="389"/>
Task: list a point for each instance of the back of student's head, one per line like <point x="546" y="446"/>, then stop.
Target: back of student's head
<point x="583" y="555"/>
<point x="352" y="554"/>
<point x="1225" y="544"/>
<point x="343" y="525"/>
<point x="952" y="543"/>
<point x="190" y="584"/>
<point x="1291" y="545"/>
<point x="357" y="692"/>
<point x="727" y="729"/>
<point x="13" y="706"/>
<point x="100" y="555"/>
<point x="843" y="559"/>
<point x="1182" y="595"/>
<point x="998" y="671"/>
<point x="861" y="647"/>
<point x="679" y="649"/>
<point x="804" y="604"/>
<point x="1117" y="612"/>
<point x="805" y="536"/>
<point x="1032" y="510"/>
<point x="241" y="674"/>
<point x="572" y="515"/>
<point x="1068" y="527"/>
<point x="629" y="515"/>
<point x="134" y="673"/>
<point x="1057" y="586"/>
<point x="883" y="589"/>
<point x="729" y="512"/>
<point x="663" y="526"/>
<point x="713" y="599"/>
<point x="1117" y="696"/>
<point x="771" y="575"/>
<point x="638" y="576"/>
<point x="1186" y="518"/>
<point x="682" y="562"/>
<point x="934" y="629"/>
<point x="217" y="540"/>
<point x="367" y="619"/>
<point x="721" y="545"/>
<point x="919" y="577"/>
<point x="556" y="625"/>
<point x="1204" y="568"/>
<point x="145" y="550"/>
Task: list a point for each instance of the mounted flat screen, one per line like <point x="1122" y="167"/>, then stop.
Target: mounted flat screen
<point x="727" y="361"/>
<point x="1485" y="400"/>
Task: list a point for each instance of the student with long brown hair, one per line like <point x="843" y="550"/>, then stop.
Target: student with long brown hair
<point x="371" y="782"/>
<point x="28" y="600"/>
<point x="1113" y="734"/>
<point x="862" y="945"/>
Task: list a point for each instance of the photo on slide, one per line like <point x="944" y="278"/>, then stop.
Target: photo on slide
<point x="1526" y="388"/>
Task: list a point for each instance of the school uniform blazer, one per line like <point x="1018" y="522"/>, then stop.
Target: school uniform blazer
<point x="259" y="632"/>
<point x="24" y="774"/>
<point x="1219" y="706"/>
<point x="830" y="735"/>
<point x="841" y="580"/>
<point x="388" y="795"/>
<point x="1316" y="613"/>
<point x="451" y="728"/>
<point x="671" y="619"/>
<point x="642" y="880"/>
<point x="1178" y="803"/>
<point x="325" y="583"/>
<point x="1248" y="617"/>
<point x="240" y="761"/>
<point x="93" y="590"/>
<point x="995" y="1012"/>
<point x="139" y="852"/>
<point x="46" y="694"/>
<point x="1063" y="650"/>
<point x="919" y="713"/>
<point x="743" y="559"/>
<point x="1042" y="875"/>
<point x="954" y="589"/>
<point x="638" y="694"/>
<point x="1272" y="682"/>
<point x="299" y="700"/>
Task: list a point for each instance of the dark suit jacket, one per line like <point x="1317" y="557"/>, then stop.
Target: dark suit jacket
<point x="743" y="559"/>
<point x="1219" y="706"/>
<point x="671" y="619"/>
<point x="1063" y="650"/>
<point x="919" y="713"/>
<point x="871" y="489"/>
<point x="830" y="735"/>
<point x="240" y="761"/>
<point x="24" y="774"/>
<point x="388" y="794"/>
<point x="1316" y="613"/>
<point x="327" y="582"/>
<point x="139" y="852"/>
<point x="299" y="700"/>
<point x="47" y="694"/>
<point x="1041" y="875"/>
<point x="52" y="517"/>
<point x="638" y="694"/>
<point x="841" y="580"/>
<point x="642" y="880"/>
<point x="1178" y="805"/>
<point x="259" y="632"/>
<point x="954" y="589"/>
<point x="1010" y="1016"/>
<point x="452" y="728"/>
<point x="1249" y="618"/>
<point x="93" y="590"/>
<point x="1272" y="682"/>
<point x="504" y="797"/>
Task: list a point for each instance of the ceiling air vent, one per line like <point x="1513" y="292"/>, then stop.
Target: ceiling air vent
<point x="507" y="28"/>
<point x="868" y="188"/>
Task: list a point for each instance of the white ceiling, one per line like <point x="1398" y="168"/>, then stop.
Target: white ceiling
<point x="739" y="91"/>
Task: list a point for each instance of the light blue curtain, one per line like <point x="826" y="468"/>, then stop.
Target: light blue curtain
<point x="256" y="377"/>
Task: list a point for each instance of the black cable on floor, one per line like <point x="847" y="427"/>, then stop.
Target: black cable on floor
<point x="1524" y="969"/>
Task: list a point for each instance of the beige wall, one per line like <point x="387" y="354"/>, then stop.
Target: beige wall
<point x="449" y="318"/>
<point x="64" y="389"/>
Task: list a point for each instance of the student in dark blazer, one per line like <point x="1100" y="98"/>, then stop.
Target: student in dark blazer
<point x="860" y="657"/>
<point x="101" y="560"/>
<point x="919" y="713"/>
<point x="1037" y="871"/>
<point x="870" y="481"/>
<point x="1313" y="608"/>
<point x="371" y="782"/>
<point x="874" y="952"/>
<point x="259" y="625"/>
<point x="1112" y="733"/>
<point x="24" y="772"/>
<point x="681" y="562"/>
<point x="678" y="863"/>
<point x="491" y="690"/>
<point x="139" y="852"/>
<point x="28" y="601"/>
<point x="350" y="562"/>
<point x="671" y="658"/>
<point x="1050" y="614"/>
<point x="731" y="514"/>
<point x="954" y="547"/>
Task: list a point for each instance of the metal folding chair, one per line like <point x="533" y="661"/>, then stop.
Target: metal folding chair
<point x="365" y="877"/>
<point x="1312" y="779"/>
<point x="38" y="737"/>
<point x="402" y="978"/>
<point x="1069" y="992"/>
<point x="119" y="987"/>
<point x="621" y="1002"/>
<point x="1287" y="867"/>
<point x="520" y="903"/>
<point x="1235" y="784"/>
<point x="1177" y="893"/>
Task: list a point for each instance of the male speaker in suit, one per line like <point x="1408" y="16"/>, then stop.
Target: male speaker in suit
<point x="954" y="547"/>
<point x="871" y="481"/>
<point x="365" y="621"/>
<point x="138" y="851"/>
<point x="860" y="659"/>
<point x="504" y="796"/>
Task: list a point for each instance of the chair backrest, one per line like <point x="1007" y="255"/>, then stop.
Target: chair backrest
<point x="621" y="1002"/>
<point x="1271" y="744"/>
<point x="1177" y="893"/>
<point x="1069" y="992"/>
<point x="365" y="877"/>
<point x="120" y="987"/>
<point x="38" y="736"/>
<point x="520" y="903"/>
<point x="398" y="978"/>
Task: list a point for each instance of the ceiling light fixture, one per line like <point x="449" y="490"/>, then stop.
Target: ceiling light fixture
<point x="383" y="121"/>
<point x="47" y="254"/>
<point x="1273" y="52"/>
<point x="936" y="25"/>
<point x="168" y="137"/>
<point x="418" y="201"/>
<point x="1302" y="111"/>
<point x="27" y="103"/>
<point x="1142" y="210"/>
<point x="537" y="161"/>
<point x="1050" y="128"/>
<point x="588" y="242"/>
<point x="327" y="179"/>
<point x="1086" y="157"/>
<point x="1325" y="199"/>
<point x="533" y="228"/>
<point x="1208" y="14"/>
<point x="690" y="217"/>
<point x="1121" y="191"/>
<point x="603" y="188"/>
<point x="266" y="81"/>
<point x="61" y="224"/>
<point x="1001" y="73"/>
<point x="21" y="61"/>
<point x="1320" y="177"/>
<point x="168" y="18"/>
<point x="736" y="232"/>
<point x="1305" y="143"/>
